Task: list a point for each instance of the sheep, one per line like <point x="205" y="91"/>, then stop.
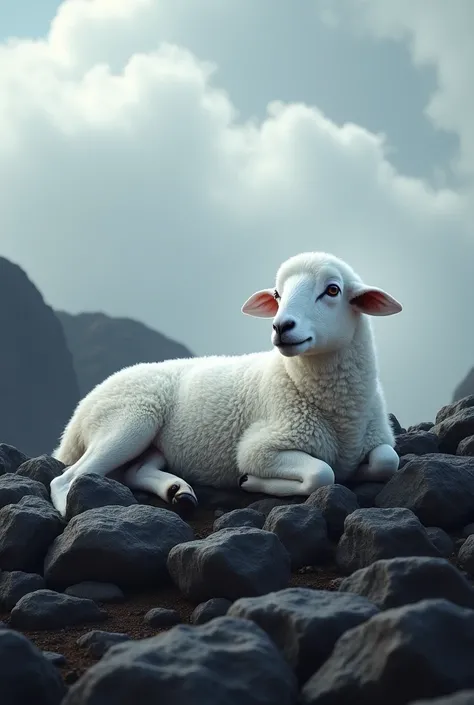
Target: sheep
<point x="306" y="413"/>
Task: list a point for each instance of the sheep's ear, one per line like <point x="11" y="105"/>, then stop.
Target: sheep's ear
<point x="374" y="301"/>
<point x="261" y="304"/>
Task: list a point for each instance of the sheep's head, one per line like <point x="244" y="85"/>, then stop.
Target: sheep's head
<point x="316" y="304"/>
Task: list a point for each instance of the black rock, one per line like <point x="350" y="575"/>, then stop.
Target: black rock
<point x="45" y="609"/>
<point x="215" y="607"/>
<point x="372" y="534"/>
<point x="94" y="491"/>
<point x="27" y="529"/>
<point x="97" y="643"/>
<point x="438" y="488"/>
<point x="127" y="546"/>
<point x="231" y="563"/>
<point x="43" y="469"/>
<point x="423" y="426"/>
<point x="402" y="581"/>
<point x="15" y="584"/>
<point x="55" y="658"/>
<point x="466" y="555"/>
<point x="335" y="502"/>
<point x="99" y="592"/>
<point x="366" y="493"/>
<point x="265" y="506"/>
<point x="10" y="458"/>
<point x="160" y="617"/>
<point x="224" y="662"/>
<point x="466" y="446"/>
<point x="26" y="676"/>
<point x="450" y="410"/>
<point x="304" y="623"/>
<point x="441" y="540"/>
<point x="454" y="429"/>
<point x="422" y="650"/>
<point x="239" y="517"/>
<point x="13" y="487"/>
<point x="303" y="532"/>
<point x="417" y="442"/>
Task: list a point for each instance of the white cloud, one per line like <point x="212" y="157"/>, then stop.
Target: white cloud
<point x="130" y="184"/>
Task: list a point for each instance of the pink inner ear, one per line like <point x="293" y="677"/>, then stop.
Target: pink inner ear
<point x="376" y="302"/>
<point x="262" y="304"/>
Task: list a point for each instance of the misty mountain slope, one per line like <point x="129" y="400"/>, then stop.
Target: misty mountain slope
<point x="101" y="345"/>
<point x="38" y="385"/>
<point x="465" y="387"/>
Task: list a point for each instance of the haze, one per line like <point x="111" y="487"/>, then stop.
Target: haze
<point x="159" y="160"/>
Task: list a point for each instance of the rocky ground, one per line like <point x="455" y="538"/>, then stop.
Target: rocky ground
<point x="360" y="594"/>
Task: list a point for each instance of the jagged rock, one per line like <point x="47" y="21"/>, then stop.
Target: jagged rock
<point x="454" y="429"/>
<point x="401" y="581"/>
<point x="466" y="446"/>
<point x="305" y="624"/>
<point x="438" y="488"/>
<point x="421" y="650"/>
<point x="466" y="402"/>
<point x="205" y="611"/>
<point x="43" y="469"/>
<point x="96" y="642"/>
<point x="127" y="546"/>
<point x="372" y="534"/>
<point x="94" y="491"/>
<point x="99" y="592"/>
<point x="27" y="529"/>
<point x="15" y="584"/>
<point x="14" y="487"/>
<point x="366" y="493"/>
<point x="417" y="443"/>
<point x="303" y="532"/>
<point x="10" y="458"/>
<point x="335" y="502"/>
<point x="441" y="540"/>
<point x="422" y="426"/>
<point x="26" y="676"/>
<point x="227" y="660"/>
<point x="161" y="617"/>
<point x="230" y="563"/>
<point x="46" y="609"/>
<point x="239" y="517"/>
<point x="466" y="555"/>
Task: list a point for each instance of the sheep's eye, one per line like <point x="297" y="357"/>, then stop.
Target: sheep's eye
<point x="332" y="290"/>
<point x="276" y="295"/>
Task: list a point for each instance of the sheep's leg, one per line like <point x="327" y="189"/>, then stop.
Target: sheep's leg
<point x="383" y="462"/>
<point x="289" y="473"/>
<point x="148" y="475"/>
<point x="112" y="447"/>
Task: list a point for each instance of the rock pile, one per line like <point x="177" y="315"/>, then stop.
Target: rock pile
<point x="396" y="628"/>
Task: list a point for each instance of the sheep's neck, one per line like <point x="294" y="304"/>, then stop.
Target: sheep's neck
<point x="331" y="377"/>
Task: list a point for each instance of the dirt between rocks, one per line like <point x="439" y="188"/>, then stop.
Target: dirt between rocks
<point x="127" y="617"/>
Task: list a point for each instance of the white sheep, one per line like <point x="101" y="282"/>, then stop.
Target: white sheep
<point x="304" y="414"/>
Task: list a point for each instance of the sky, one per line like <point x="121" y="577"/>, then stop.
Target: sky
<point x="159" y="160"/>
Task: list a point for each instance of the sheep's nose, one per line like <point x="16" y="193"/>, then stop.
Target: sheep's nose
<point x="284" y="327"/>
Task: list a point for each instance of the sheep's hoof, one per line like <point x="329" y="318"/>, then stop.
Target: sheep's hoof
<point x="185" y="502"/>
<point x="243" y="479"/>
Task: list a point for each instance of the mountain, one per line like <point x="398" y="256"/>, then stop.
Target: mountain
<point x="38" y="385"/>
<point x="101" y="345"/>
<point x="466" y="387"/>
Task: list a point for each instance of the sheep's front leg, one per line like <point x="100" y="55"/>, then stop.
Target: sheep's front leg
<point x="289" y="472"/>
<point x="383" y="462"/>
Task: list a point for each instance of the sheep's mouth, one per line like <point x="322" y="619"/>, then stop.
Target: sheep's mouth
<point x="281" y="344"/>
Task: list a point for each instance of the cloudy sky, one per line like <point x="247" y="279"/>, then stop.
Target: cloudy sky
<point x="160" y="159"/>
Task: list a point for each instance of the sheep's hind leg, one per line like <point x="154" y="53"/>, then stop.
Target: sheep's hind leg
<point x="290" y="473"/>
<point x="148" y="475"/>
<point x="111" y="448"/>
<point x="383" y="462"/>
